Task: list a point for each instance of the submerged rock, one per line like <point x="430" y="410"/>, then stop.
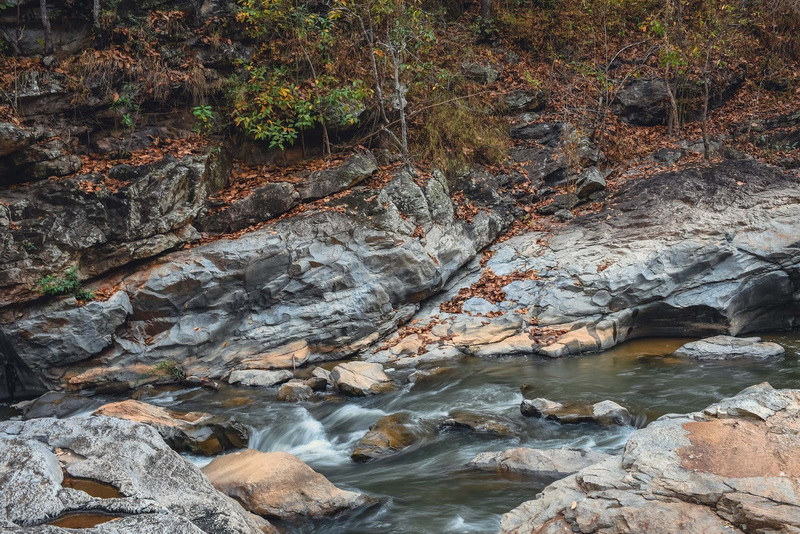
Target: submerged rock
<point x="604" y="413"/>
<point x="360" y="378"/>
<point x="149" y="487"/>
<point x="546" y="465"/>
<point x="727" y="469"/>
<point x="492" y="425"/>
<point x="278" y="485"/>
<point x="730" y="348"/>
<point x="196" y="432"/>
<point x="388" y="435"/>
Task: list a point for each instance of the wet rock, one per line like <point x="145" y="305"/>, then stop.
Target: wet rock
<point x="546" y="465"/>
<point x="518" y="100"/>
<point x="55" y="404"/>
<point x="278" y="485"/>
<point x="680" y="472"/>
<point x="294" y="392"/>
<point x="154" y="488"/>
<point x="422" y="375"/>
<point x="259" y="377"/>
<point x="604" y="413"/>
<point x="196" y="432"/>
<point x="730" y="348"/>
<point x="389" y="435"/>
<point x="588" y="182"/>
<point x="80" y="223"/>
<point x="360" y="378"/>
<point x="353" y="170"/>
<point x="492" y="425"/>
<point x="316" y="383"/>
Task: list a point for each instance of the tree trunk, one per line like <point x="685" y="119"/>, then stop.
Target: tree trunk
<point x="48" y="32"/>
<point x="96" y="13"/>
<point x="398" y="89"/>
<point x="486" y="9"/>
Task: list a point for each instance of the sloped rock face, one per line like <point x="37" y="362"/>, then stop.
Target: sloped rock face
<point x="544" y="465"/>
<point x="143" y="479"/>
<point x="320" y="285"/>
<point x="729" y="468"/>
<point x="696" y="252"/>
<point x="78" y="222"/>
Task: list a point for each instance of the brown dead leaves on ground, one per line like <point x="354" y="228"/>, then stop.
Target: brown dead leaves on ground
<point x="489" y="287"/>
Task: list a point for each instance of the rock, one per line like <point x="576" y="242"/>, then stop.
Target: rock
<point x="389" y="435"/>
<point x="353" y="170"/>
<point x="294" y="392"/>
<point x="55" y="404"/>
<point x="259" y="377"/>
<point x="545" y="133"/>
<point x="476" y="72"/>
<point x="316" y="383"/>
<point x="730" y="348"/>
<point x="319" y="372"/>
<point x="195" y="432"/>
<point x="518" y="100"/>
<point x="422" y="375"/>
<point x="360" y="378"/>
<point x="546" y="465"/>
<point x="670" y="156"/>
<point x="320" y="285"/>
<point x="13" y="138"/>
<point x="80" y="223"/>
<point x="642" y="102"/>
<point x="686" y="473"/>
<point x="603" y="413"/>
<point x="131" y="475"/>
<point x="491" y="425"/>
<point x="264" y="203"/>
<point x="588" y="182"/>
<point x="278" y="485"/>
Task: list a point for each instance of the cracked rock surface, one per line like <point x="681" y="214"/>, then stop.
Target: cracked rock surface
<point x="731" y="468"/>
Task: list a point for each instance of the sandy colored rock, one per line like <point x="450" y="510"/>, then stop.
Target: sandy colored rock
<point x="492" y="425"/>
<point x="604" y="413"/>
<point x="277" y="484"/>
<point x="360" y="378"/>
<point x="294" y="392"/>
<point x="259" y="377"/>
<point x="196" y="432"/>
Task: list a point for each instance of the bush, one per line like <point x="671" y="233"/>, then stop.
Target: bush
<point x="66" y="284"/>
<point x="169" y="368"/>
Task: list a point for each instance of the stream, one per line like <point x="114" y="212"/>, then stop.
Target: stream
<point x="427" y="488"/>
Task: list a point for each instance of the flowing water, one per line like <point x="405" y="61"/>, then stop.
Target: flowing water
<point x="427" y="488"/>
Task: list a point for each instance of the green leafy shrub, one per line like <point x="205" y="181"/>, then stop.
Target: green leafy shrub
<point x="169" y="368"/>
<point x="67" y="284"/>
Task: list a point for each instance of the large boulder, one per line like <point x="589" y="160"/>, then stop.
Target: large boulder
<point x="694" y="252"/>
<point x="730" y="348"/>
<point x="92" y="225"/>
<point x="353" y="170"/>
<point x="55" y="404"/>
<point x="262" y="204"/>
<point x="360" y="378"/>
<point x="99" y="466"/>
<point x="544" y="465"/>
<point x="196" y="432"/>
<point x="321" y="285"/>
<point x="259" y="377"/>
<point x="729" y="468"/>
<point x="278" y="485"/>
<point x="390" y="434"/>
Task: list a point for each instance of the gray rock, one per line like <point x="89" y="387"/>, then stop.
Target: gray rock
<point x="679" y="475"/>
<point x="477" y="72"/>
<point x="670" y="156"/>
<point x="294" y="392"/>
<point x="55" y="404"/>
<point x="389" y="435"/>
<point x="588" y="182"/>
<point x="265" y="202"/>
<point x="518" y="100"/>
<point x="730" y="348"/>
<point x="353" y="170"/>
<point x="259" y="377"/>
<point x="360" y="378"/>
<point x="642" y="102"/>
<point x="13" y="138"/>
<point x="603" y="413"/>
<point x="545" y="465"/>
<point x="153" y="487"/>
<point x="545" y="133"/>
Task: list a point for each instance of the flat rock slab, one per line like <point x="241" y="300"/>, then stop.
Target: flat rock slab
<point x="389" y="435"/>
<point x="259" y="378"/>
<point x="730" y="348"/>
<point x="196" y="432"/>
<point x="55" y="404"/>
<point x="730" y="468"/>
<point x="360" y="378"/>
<point x="491" y="425"/>
<point x="546" y="465"/>
<point x="148" y="486"/>
<point x="278" y="484"/>
<point x="603" y="413"/>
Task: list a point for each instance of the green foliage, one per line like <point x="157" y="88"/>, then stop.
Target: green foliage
<point x="67" y="284"/>
<point x="169" y="368"/>
<point x="204" y="115"/>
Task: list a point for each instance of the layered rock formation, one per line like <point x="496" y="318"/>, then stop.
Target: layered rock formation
<point x="729" y="468"/>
